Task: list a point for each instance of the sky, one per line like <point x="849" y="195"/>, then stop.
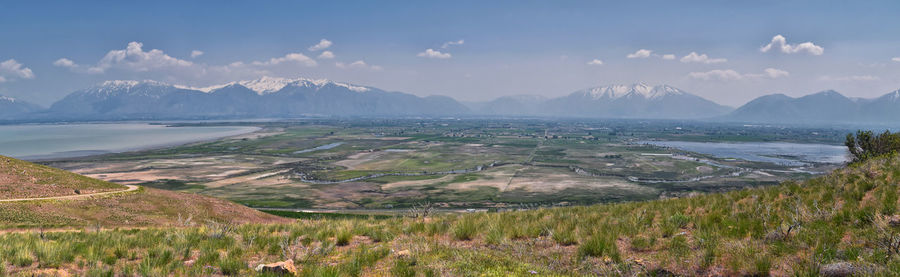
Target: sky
<point x="726" y="51"/>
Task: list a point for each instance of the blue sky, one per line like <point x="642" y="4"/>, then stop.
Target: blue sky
<point x="545" y="48"/>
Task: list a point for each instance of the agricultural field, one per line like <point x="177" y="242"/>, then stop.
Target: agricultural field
<point x="454" y="164"/>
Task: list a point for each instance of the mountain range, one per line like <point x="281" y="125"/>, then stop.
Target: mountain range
<point x="284" y="97"/>
<point x="11" y="107"/>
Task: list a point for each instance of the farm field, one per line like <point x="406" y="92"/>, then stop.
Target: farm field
<point x="401" y="163"/>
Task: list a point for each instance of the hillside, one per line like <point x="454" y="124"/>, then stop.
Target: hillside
<point x="834" y="225"/>
<point x="826" y="107"/>
<point x="141" y="207"/>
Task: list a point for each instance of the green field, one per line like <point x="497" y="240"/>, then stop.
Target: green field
<point x="354" y="164"/>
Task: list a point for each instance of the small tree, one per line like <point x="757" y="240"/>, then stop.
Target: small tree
<point x="866" y="145"/>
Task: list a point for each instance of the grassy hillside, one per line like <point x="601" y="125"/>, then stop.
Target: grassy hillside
<point x="21" y="179"/>
<point x="844" y="221"/>
<point x="144" y="207"/>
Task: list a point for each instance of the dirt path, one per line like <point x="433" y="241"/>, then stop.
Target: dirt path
<point x="71" y="197"/>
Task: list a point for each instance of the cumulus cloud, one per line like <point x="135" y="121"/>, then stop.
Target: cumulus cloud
<point x="196" y="53"/>
<point x="853" y="78"/>
<point x="11" y="69"/>
<point x="433" y="54"/>
<point x="595" y="62"/>
<point x="640" y="54"/>
<point x="779" y="42"/>
<point x="358" y="65"/>
<point x="732" y="75"/>
<point x="290" y="57"/>
<point x="451" y="43"/>
<point x="324" y="43"/>
<point x="693" y="57"/>
<point x="775" y="73"/>
<point x="63" y="62"/>
<point x="326" y="55"/>
<point x="896" y="59"/>
<point x="717" y="74"/>
<point x="668" y="57"/>
<point x="132" y="58"/>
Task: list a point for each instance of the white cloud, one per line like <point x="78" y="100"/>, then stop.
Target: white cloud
<point x="291" y="57"/>
<point x="326" y="55"/>
<point x="196" y="53"/>
<point x="433" y="54"/>
<point x="595" y="62"/>
<point x="358" y="65"/>
<point x="896" y="59"/>
<point x="63" y="62"/>
<point x="775" y="73"/>
<point x="732" y="75"/>
<point x="780" y="42"/>
<point x="132" y="58"/>
<point x="11" y="69"/>
<point x="451" y="43"/>
<point x="668" y="57"/>
<point x="853" y="78"/>
<point x="717" y="74"/>
<point x="324" y="43"/>
<point x="640" y="54"/>
<point x="693" y="57"/>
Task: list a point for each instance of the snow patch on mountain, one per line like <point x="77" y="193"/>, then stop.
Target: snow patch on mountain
<point x="267" y="85"/>
<point x="641" y="90"/>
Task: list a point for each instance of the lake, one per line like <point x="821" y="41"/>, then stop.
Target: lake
<point x="783" y="153"/>
<point x="50" y="141"/>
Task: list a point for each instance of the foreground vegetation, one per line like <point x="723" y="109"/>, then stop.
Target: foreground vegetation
<point x="847" y="220"/>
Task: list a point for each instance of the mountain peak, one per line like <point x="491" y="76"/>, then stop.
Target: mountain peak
<point x="640" y="89"/>
<point x="266" y="84"/>
<point x="120" y="84"/>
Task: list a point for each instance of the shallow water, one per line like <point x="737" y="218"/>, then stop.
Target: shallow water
<point x="783" y="153"/>
<point x="323" y="147"/>
<point x="49" y="141"/>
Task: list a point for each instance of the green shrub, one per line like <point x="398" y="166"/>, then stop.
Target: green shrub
<point x="565" y="237"/>
<point x="404" y="267"/>
<point x="599" y="245"/>
<point x="231" y="266"/>
<point x="343" y="238"/>
<point x="465" y="229"/>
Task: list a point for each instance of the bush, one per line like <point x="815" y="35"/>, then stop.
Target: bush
<point x="343" y="238"/>
<point x="404" y="267"/>
<point x="867" y="145"/>
<point x="599" y="245"/>
<point x="231" y="266"/>
<point x="465" y="229"/>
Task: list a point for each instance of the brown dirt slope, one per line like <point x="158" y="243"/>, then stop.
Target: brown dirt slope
<point x="144" y="207"/>
<point x="21" y="179"/>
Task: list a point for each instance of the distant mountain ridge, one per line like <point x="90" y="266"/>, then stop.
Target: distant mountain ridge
<point x="297" y="97"/>
<point x="823" y="107"/>
<point x="265" y="97"/>
<point x="11" y="108"/>
<point x="615" y="101"/>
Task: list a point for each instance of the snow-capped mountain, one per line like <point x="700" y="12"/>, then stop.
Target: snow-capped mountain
<point x="266" y="85"/>
<point x="11" y="108"/>
<point x="264" y="97"/>
<point x="639" y="90"/>
<point x="630" y="101"/>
